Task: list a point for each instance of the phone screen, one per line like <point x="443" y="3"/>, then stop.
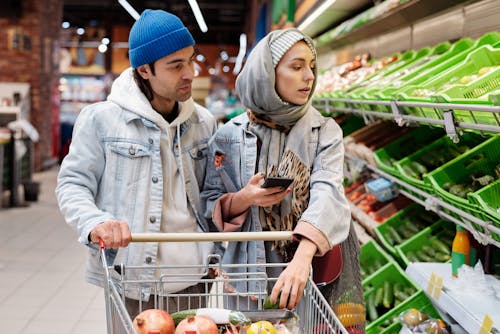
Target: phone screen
<point x="283" y="182"/>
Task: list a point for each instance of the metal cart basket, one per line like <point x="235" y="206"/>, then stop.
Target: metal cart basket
<point x="314" y="314"/>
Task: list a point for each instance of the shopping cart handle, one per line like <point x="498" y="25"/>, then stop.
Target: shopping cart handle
<point x="212" y="236"/>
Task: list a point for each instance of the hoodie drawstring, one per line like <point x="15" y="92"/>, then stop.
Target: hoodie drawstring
<point x="181" y="166"/>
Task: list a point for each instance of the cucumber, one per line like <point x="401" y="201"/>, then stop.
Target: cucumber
<point x="379" y="296"/>
<point x="422" y="256"/>
<point x="412" y="257"/>
<point x="404" y="232"/>
<point x="395" y="236"/>
<point x="388" y="295"/>
<point x="440" y="246"/>
<point x="411" y="227"/>
<point x="372" y="310"/>
<point x="218" y="315"/>
<point x="428" y="250"/>
<point x="442" y="257"/>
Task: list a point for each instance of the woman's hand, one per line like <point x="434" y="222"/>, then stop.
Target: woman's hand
<point x="254" y="194"/>
<point x="291" y="283"/>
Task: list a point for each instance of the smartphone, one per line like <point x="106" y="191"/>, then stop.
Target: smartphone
<point x="283" y="182"/>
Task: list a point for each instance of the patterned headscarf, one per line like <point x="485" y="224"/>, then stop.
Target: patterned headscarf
<point x="255" y="84"/>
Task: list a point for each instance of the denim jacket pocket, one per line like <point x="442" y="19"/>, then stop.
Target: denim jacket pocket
<point x="130" y="150"/>
<point x="128" y="161"/>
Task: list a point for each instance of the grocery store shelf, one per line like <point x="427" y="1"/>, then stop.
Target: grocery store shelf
<point x="403" y="15"/>
<point x="462" y="307"/>
<point x="400" y="118"/>
<point x="443" y="209"/>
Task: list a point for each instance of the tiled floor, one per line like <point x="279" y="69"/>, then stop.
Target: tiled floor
<point x="42" y="287"/>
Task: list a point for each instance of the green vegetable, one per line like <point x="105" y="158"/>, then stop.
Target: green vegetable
<point x="379" y="296"/>
<point x="372" y="310"/>
<point x="395" y="236"/>
<point x="419" y="167"/>
<point x="218" y="315"/>
<point x="440" y="246"/>
<point x="422" y="256"/>
<point x="412" y="257"/>
<point x="442" y="257"/>
<point x="483" y="180"/>
<point x="268" y="304"/>
<point x="388" y="295"/>
<point x="428" y="250"/>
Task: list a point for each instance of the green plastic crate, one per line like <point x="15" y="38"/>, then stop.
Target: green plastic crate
<point x="412" y="213"/>
<point x="405" y="93"/>
<point x="442" y="230"/>
<point x="386" y="156"/>
<point x="476" y="92"/>
<point x="368" y="92"/>
<point x="444" y="54"/>
<point x="372" y="255"/>
<point x="459" y="171"/>
<point x="392" y="274"/>
<point x="420" y="302"/>
<point x="488" y="199"/>
<point x="436" y="148"/>
<point x="424" y="57"/>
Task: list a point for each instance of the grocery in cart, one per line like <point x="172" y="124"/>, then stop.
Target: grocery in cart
<point x="250" y="312"/>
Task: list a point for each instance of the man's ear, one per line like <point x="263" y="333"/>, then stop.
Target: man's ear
<point x="144" y="71"/>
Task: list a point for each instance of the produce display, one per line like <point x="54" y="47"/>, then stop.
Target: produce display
<point x="418" y="322"/>
<point x="386" y="296"/>
<point x="217" y="321"/>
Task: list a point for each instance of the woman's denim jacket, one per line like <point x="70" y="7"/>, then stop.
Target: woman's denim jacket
<point x="113" y="171"/>
<point x="328" y="209"/>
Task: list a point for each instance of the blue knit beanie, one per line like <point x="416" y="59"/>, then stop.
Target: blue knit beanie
<point x="155" y="35"/>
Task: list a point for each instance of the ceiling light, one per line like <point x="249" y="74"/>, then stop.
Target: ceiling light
<point x="102" y="48"/>
<point x="317" y="12"/>
<point x="200" y="57"/>
<point x="65" y="25"/>
<point x="223" y="55"/>
<point x="105" y="41"/>
<point x="197" y="14"/>
<point x="80" y="31"/>
<point x="129" y="9"/>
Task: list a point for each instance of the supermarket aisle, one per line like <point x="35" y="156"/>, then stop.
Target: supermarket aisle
<point x="42" y="288"/>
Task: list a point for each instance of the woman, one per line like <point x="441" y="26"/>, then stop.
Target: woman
<point x="281" y="134"/>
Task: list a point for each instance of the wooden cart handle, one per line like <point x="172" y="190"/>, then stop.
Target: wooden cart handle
<point x="212" y="236"/>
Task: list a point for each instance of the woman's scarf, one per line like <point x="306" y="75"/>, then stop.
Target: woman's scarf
<point x="273" y="120"/>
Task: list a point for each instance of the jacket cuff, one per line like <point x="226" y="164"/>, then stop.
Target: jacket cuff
<point x="220" y="215"/>
<point x="309" y="231"/>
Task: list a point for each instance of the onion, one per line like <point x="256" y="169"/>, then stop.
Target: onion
<point x="196" y="324"/>
<point x="154" y="320"/>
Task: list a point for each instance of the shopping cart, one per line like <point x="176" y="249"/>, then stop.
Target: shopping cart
<point x="314" y="314"/>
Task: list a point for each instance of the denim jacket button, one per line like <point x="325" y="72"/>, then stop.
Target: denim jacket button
<point x="148" y="259"/>
<point x="150" y="140"/>
<point x="154" y="179"/>
<point x="152" y="219"/>
<point x="131" y="151"/>
<point x="199" y="154"/>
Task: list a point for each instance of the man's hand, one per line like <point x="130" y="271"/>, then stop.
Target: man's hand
<point x="114" y="234"/>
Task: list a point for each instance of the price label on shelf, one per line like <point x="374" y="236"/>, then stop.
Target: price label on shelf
<point x="487" y="325"/>
<point x="435" y="286"/>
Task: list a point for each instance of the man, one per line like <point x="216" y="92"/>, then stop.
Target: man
<point x="137" y="162"/>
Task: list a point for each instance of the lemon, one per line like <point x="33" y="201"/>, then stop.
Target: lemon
<point x="261" y="327"/>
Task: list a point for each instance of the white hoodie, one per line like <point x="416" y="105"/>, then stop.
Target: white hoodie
<point x="177" y="215"/>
